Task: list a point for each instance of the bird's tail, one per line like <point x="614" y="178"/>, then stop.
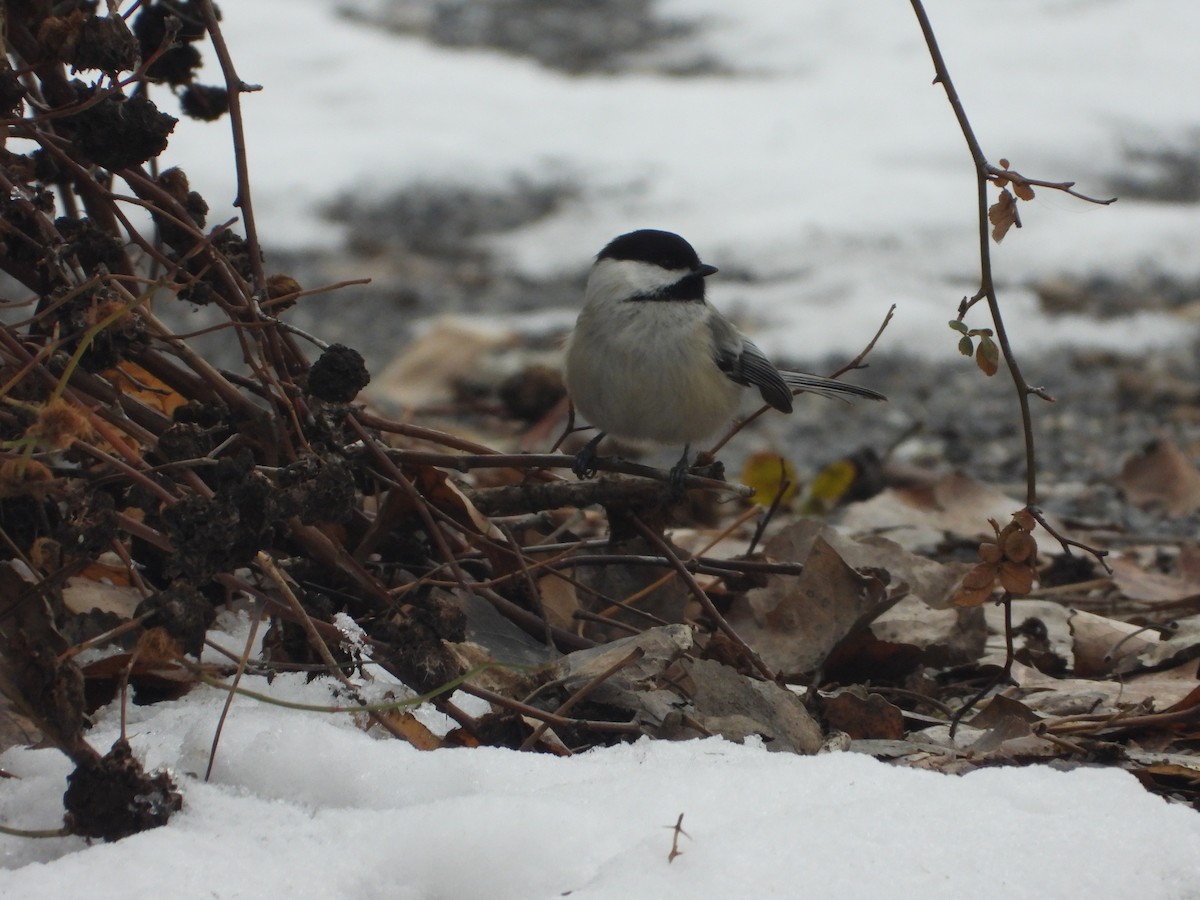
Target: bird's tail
<point x="828" y="387"/>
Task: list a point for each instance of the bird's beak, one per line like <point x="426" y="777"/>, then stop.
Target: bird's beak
<point x="704" y="270"/>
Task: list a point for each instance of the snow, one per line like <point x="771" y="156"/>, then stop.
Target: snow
<point x="832" y="168"/>
<point x="306" y="805"/>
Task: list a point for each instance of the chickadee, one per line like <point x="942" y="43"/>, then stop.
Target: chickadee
<point x="651" y="360"/>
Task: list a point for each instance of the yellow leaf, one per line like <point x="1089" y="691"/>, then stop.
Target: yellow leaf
<point x="829" y="486"/>
<point x="130" y="378"/>
<point x="766" y="473"/>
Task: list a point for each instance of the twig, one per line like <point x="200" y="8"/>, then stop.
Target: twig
<point x="853" y="364"/>
<point x="255" y="620"/>
<point x="234" y="87"/>
<point x="580" y="695"/>
<point x="534" y="461"/>
<point x="542" y="715"/>
<point x="987" y="285"/>
<point x="531" y="585"/>
<point x="1063" y="186"/>
<point x="765" y="519"/>
<point x="1066" y="543"/>
<point x="268" y="568"/>
<point x="1005" y="673"/>
<point x="677" y="830"/>
<point x="705" y="602"/>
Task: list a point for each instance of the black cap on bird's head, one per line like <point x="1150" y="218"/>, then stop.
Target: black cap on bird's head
<point x="663" y="265"/>
<point x="660" y="248"/>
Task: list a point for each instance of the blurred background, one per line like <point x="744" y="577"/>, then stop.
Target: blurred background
<point x="471" y="157"/>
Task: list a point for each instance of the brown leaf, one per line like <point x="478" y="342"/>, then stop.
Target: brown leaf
<point x="559" y="600"/>
<point x="987" y="356"/>
<point x="1103" y="646"/>
<point x="1016" y="578"/>
<point x="406" y="725"/>
<point x="1022" y="190"/>
<point x="1139" y="581"/>
<point x="1162" y="475"/>
<point x="1003" y="215"/>
<point x="794" y="622"/>
<point x="1019" y="546"/>
<point x="967" y="597"/>
<point x="1024" y="520"/>
<point x="864" y="718"/>
<point x="982" y="576"/>
<point x="944" y="637"/>
<point x="135" y="381"/>
<point x="1000" y="709"/>
<point x="920" y="516"/>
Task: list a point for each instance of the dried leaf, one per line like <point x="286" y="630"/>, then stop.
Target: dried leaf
<point x="1137" y="582"/>
<point x="1016" y="578"/>
<point x="829" y="485"/>
<point x="730" y="704"/>
<point x="1024" y="520"/>
<point x="428" y="370"/>
<point x="983" y="575"/>
<point x="795" y="622"/>
<point x="919" y="517"/>
<point x="1022" y="190"/>
<point x="966" y="597"/>
<point x="944" y="637"/>
<point x="1003" y="216"/>
<point x="132" y="380"/>
<point x="82" y="595"/>
<point x="863" y="718"/>
<point x="1162" y="475"/>
<point x="406" y="725"/>
<point x="1104" y="646"/>
<point x="1019" y="546"/>
<point x="987" y="356"/>
<point x="559" y="600"/>
<point x="767" y="474"/>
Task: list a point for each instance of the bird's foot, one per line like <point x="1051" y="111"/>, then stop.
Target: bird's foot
<point x="584" y="464"/>
<point x="679" y="474"/>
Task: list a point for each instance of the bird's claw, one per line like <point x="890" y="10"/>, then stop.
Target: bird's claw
<point x="679" y="473"/>
<point x="677" y="480"/>
<point x="584" y="466"/>
<point x="584" y="463"/>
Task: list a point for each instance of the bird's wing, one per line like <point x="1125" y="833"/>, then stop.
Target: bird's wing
<point x="738" y="357"/>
